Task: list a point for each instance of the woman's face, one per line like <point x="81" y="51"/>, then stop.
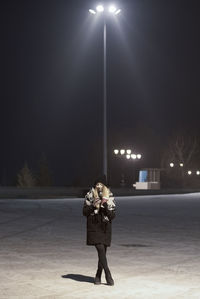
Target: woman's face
<point x="99" y="186"/>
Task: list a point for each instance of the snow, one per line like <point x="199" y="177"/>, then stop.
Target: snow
<point x="154" y="251"/>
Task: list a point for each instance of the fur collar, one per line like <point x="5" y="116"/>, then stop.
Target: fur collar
<point x="89" y="199"/>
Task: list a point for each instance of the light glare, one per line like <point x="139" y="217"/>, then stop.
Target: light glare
<point x="133" y="156"/>
<point x="139" y="156"/>
<point x="118" y="11"/>
<point x="122" y="152"/>
<point x="92" y="11"/>
<point x="171" y="164"/>
<point x="116" y="151"/>
<point x="128" y="156"/>
<point x="112" y="9"/>
<point x="189" y="172"/>
<point x="100" y="8"/>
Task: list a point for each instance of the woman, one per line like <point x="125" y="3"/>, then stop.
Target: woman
<point x="99" y="208"/>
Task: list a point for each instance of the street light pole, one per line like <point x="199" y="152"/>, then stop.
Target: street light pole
<point x="105" y="158"/>
<point x="112" y="10"/>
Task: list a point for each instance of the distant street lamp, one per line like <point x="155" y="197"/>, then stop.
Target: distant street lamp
<point x="111" y="10"/>
<point x="126" y="153"/>
<point x="122" y="151"/>
<point x="190" y="172"/>
<point x="172" y="164"/>
<point x="133" y="156"/>
<point x="116" y="151"/>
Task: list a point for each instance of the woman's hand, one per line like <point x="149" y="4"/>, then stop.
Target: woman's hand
<point x="104" y="200"/>
<point x="96" y="202"/>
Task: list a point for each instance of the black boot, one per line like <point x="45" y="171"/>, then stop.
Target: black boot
<point x="109" y="278"/>
<point x="97" y="279"/>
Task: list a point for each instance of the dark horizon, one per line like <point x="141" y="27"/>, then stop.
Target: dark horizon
<point x="52" y="76"/>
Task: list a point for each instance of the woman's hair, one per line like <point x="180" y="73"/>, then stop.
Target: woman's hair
<point x="105" y="191"/>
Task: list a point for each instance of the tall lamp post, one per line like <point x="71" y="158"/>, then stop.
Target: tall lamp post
<point x="100" y="9"/>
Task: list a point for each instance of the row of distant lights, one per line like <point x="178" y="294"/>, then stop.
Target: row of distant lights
<point x="189" y="171"/>
<point x="172" y="164"/>
<point x="100" y="8"/>
<point x="128" y="154"/>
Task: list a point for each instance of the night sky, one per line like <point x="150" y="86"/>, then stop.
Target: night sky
<point x="52" y="83"/>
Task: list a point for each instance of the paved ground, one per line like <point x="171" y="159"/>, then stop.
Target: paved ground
<point x="155" y="250"/>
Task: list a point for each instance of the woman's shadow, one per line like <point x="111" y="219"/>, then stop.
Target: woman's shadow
<point x="79" y="277"/>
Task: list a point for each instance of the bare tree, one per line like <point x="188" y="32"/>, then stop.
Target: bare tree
<point x="182" y="148"/>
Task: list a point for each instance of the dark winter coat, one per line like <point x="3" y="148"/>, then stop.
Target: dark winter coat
<point x="99" y="222"/>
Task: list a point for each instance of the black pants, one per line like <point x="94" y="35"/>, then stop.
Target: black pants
<point x="102" y="263"/>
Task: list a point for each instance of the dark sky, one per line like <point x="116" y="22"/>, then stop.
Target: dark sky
<point x="52" y="82"/>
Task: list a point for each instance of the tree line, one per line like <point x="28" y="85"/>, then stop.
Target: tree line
<point x="26" y="178"/>
<point x="182" y="150"/>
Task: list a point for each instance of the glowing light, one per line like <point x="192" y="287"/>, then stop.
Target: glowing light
<point x="181" y="164"/>
<point x="116" y="151"/>
<point x="128" y="151"/>
<point x="133" y="156"/>
<point x="139" y="156"/>
<point x="189" y="172"/>
<point x="92" y="11"/>
<point x="171" y="164"/>
<point x="100" y="8"/>
<point x="128" y="156"/>
<point x="112" y="9"/>
<point x="122" y="151"/>
<point x="198" y="172"/>
<point x="118" y="11"/>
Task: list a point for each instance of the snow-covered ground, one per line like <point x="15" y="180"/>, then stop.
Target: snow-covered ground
<point x="155" y="250"/>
